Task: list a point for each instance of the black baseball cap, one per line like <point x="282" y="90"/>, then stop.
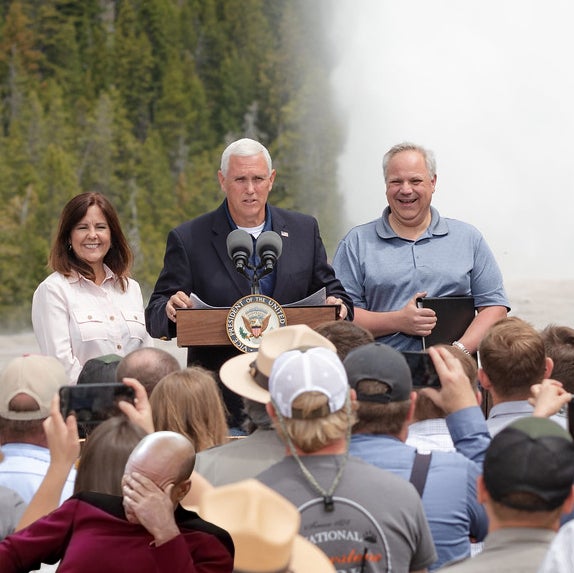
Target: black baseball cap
<point x="531" y="455"/>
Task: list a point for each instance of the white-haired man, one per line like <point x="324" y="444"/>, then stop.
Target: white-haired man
<point x="196" y="258"/>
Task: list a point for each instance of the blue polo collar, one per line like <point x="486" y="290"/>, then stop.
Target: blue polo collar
<point x="438" y="226"/>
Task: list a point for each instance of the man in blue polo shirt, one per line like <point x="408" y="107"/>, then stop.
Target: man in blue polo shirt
<point x="410" y="252"/>
<point x="446" y="481"/>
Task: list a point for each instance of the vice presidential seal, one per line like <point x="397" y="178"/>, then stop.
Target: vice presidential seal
<point x="251" y="317"/>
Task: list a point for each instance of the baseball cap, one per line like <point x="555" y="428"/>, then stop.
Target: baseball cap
<point x="531" y="455"/>
<point x="37" y="376"/>
<point x="264" y="527"/>
<point x="308" y="370"/>
<point x="381" y="363"/>
<point x="248" y="374"/>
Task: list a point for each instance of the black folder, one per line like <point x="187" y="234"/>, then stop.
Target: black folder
<point x="454" y="315"/>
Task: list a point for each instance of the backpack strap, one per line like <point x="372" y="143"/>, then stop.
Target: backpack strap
<point x="420" y="470"/>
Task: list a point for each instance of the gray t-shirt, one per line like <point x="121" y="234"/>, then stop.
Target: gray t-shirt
<point x="377" y="517"/>
<point x="508" y="550"/>
<point x="12" y="507"/>
<point x="240" y="459"/>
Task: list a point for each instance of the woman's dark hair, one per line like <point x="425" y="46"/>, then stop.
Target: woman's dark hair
<point x="105" y="454"/>
<point x="63" y="259"/>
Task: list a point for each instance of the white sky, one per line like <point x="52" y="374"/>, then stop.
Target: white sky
<point x="489" y="87"/>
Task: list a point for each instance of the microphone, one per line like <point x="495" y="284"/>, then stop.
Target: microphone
<point x="268" y="248"/>
<point x="239" y="248"/>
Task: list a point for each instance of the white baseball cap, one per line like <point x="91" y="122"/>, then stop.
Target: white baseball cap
<point x="306" y="370"/>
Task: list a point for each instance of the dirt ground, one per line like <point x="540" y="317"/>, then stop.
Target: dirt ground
<point x="539" y="302"/>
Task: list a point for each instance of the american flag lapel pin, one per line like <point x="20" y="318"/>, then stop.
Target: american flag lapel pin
<point x="284" y="234"/>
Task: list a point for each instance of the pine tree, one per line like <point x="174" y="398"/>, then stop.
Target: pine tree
<point x="137" y="99"/>
<point x="134" y="67"/>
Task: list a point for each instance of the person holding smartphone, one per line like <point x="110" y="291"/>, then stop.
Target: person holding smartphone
<point x="548" y="398"/>
<point x="27" y="387"/>
<point x="445" y="480"/>
<point x="89" y="306"/>
<point x="145" y="529"/>
<point x="428" y="430"/>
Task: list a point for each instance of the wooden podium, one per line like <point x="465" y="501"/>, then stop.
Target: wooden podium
<point x="206" y="327"/>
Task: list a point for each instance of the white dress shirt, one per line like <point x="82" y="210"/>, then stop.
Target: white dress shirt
<point x="25" y="466"/>
<point x="75" y="319"/>
<point x="430" y="436"/>
<point x="560" y="555"/>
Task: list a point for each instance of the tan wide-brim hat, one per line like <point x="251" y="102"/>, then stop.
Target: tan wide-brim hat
<point x="264" y="527"/>
<point x="308" y="558"/>
<point x="248" y="374"/>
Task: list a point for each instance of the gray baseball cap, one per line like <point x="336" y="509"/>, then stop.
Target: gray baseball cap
<point x="381" y="363"/>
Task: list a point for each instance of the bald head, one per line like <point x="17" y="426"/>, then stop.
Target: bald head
<point x="163" y="457"/>
<point x="148" y="365"/>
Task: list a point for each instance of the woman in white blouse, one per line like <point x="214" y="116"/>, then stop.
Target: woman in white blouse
<point x="89" y="306"/>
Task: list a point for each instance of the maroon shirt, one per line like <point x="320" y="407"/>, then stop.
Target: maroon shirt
<point x="90" y="533"/>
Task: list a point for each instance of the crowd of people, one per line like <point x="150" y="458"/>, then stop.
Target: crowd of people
<point x="316" y="452"/>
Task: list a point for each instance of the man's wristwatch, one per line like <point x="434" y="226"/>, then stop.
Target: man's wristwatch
<point x="461" y="346"/>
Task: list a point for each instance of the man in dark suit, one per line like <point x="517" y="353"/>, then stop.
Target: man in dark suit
<point x="196" y="259"/>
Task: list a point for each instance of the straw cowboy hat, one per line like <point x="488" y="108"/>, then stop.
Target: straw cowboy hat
<point x="248" y="374"/>
<point x="264" y="527"/>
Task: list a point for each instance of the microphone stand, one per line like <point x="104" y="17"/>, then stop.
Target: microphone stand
<point x="254" y="280"/>
<point x="255" y="288"/>
<point x="240" y="249"/>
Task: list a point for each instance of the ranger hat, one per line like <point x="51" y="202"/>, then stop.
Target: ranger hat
<point x="248" y="374"/>
<point x="264" y="527"/>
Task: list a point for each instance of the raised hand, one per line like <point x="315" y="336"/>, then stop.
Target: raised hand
<point x="548" y="398"/>
<point x="456" y="392"/>
<point x="150" y="506"/>
<point x="140" y="412"/>
<point x="62" y="436"/>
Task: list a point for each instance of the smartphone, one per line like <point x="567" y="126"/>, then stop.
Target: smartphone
<point x="571" y="417"/>
<point x="422" y="368"/>
<point x="93" y="403"/>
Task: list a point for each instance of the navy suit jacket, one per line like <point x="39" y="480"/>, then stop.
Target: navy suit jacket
<point x="196" y="260"/>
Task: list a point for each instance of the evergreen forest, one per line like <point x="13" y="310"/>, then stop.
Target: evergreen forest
<point x="137" y="99"/>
